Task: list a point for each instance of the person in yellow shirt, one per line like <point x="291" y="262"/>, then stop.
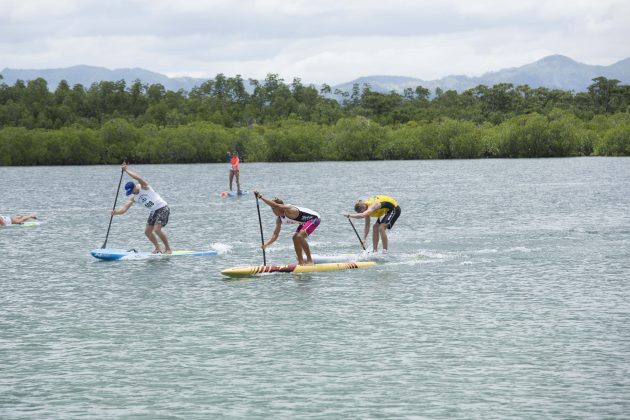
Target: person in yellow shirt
<point x="385" y="209"/>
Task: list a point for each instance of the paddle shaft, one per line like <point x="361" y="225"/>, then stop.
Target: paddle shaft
<point x="262" y="238"/>
<point x="113" y="208"/>
<point x="357" y="233"/>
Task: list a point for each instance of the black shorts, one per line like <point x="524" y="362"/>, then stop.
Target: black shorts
<point x="159" y="216"/>
<point x="390" y="218"/>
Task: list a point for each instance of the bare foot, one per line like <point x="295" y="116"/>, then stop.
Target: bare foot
<point x="168" y="251"/>
<point x="306" y="263"/>
<point x="157" y="251"/>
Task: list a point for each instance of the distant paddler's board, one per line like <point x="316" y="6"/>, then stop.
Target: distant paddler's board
<point x="25" y="224"/>
<point x="111" y="254"/>
<point x="294" y="268"/>
<point x="232" y="194"/>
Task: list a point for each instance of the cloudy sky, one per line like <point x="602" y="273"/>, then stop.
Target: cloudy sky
<point x="320" y="41"/>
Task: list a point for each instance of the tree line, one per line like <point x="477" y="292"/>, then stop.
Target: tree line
<point x="270" y="120"/>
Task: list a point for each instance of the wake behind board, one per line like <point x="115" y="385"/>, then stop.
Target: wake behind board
<point x="232" y="194"/>
<point x="25" y="224"/>
<point x="112" y="254"/>
<point x="294" y="268"/>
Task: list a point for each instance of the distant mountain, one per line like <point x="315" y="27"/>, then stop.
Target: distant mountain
<point x="555" y="72"/>
<point x="86" y="75"/>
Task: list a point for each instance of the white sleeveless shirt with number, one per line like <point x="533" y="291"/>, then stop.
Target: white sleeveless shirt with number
<point x="304" y="216"/>
<point x="149" y="199"/>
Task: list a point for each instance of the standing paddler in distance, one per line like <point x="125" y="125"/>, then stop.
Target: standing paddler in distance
<point x="234" y="171"/>
<point x="306" y="219"/>
<point x="385" y="209"/>
<point x="143" y="194"/>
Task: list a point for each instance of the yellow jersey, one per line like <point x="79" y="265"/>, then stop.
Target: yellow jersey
<point x="387" y="204"/>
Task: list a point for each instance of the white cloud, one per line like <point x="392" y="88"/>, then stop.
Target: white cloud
<point x="319" y="41"/>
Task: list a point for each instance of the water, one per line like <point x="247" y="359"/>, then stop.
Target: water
<point x="506" y="294"/>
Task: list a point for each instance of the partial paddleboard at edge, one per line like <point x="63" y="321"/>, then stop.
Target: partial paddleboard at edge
<point x="25" y="224"/>
<point x="294" y="268"/>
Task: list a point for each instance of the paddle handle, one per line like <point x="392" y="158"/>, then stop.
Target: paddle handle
<point x="357" y="233"/>
<point x="111" y="217"/>
<point x="262" y="238"/>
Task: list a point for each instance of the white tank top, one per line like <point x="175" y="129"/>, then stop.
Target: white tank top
<point x="149" y="199"/>
<point x="304" y="216"/>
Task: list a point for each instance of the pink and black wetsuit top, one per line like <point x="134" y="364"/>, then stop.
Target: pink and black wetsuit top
<point x="307" y="219"/>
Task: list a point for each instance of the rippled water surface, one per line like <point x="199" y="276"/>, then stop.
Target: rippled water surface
<point x="506" y="294"/>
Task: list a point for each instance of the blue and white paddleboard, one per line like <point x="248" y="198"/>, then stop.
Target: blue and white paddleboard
<point x="232" y="194"/>
<point x="112" y="254"/>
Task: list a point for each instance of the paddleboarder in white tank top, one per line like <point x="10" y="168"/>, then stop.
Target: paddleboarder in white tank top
<point x="143" y="194"/>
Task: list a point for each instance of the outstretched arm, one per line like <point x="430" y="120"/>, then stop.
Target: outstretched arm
<point x="365" y="214"/>
<point x="274" y="235"/>
<point x="272" y="204"/>
<point x="123" y="209"/>
<point x="143" y="183"/>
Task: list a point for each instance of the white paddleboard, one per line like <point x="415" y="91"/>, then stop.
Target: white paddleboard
<point x="364" y="256"/>
<point x="25" y="224"/>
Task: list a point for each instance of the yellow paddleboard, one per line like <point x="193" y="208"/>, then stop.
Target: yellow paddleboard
<point x="294" y="268"/>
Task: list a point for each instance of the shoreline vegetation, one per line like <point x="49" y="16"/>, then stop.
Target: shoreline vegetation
<point x="279" y="122"/>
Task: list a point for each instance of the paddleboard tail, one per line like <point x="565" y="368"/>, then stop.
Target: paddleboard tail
<point x="365" y="256"/>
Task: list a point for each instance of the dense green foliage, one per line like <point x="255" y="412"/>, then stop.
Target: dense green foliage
<point x="280" y="122"/>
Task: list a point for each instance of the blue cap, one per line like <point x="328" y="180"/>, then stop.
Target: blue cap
<point x="129" y="186"/>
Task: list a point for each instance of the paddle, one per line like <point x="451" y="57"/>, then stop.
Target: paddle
<point x="262" y="238"/>
<point x="114" y="208"/>
<point x="357" y="233"/>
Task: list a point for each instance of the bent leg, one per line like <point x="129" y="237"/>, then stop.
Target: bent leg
<point x="376" y="231"/>
<point x="384" y="240"/>
<point x="162" y="235"/>
<point x="301" y="237"/>
<point x="19" y="219"/>
<point x="307" y="251"/>
<point x="148" y="231"/>
<point x="297" y="244"/>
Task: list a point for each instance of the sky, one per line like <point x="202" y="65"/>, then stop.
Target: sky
<point x="318" y="41"/>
